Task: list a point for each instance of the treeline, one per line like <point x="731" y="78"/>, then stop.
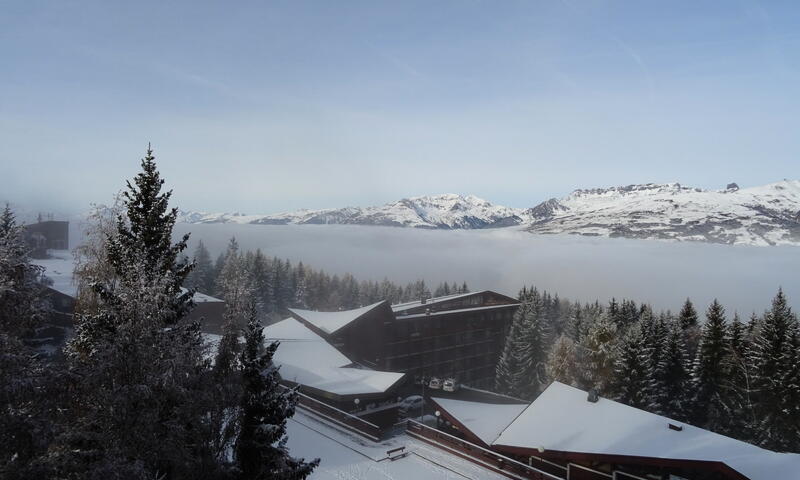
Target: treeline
<point x="276" y="285"/>
<point x="140" y="395"/>
<point x="740" y="379"/>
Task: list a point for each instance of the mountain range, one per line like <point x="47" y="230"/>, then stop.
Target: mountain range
<point x="763" y="215"/>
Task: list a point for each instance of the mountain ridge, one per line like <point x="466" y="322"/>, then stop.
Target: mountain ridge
<point x="762" y="215"/>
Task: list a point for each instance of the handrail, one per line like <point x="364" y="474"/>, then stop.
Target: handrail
<point x="491" y="453"/>
<point x="331" y="407"/>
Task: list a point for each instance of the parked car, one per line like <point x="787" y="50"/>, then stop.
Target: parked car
<point x="450" y="385"/>
<point x="411" y="404"/>
<point x="435" y="384"/>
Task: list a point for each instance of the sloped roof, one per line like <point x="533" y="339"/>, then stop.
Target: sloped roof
<point x="59" y="268"/>
<point x="485" y="420"/>
<point x="562" y="419"/>
<point x="331" y="322"/>
<point x="306" y="358"/>
<point x="399" y="307"/>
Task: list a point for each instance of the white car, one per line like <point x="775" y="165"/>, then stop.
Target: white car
<point x="450" y="385"/>
<point x="435" y="384"/>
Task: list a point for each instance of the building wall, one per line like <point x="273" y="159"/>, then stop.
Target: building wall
<point x="464" y="345"/>
<point x="48" y="235"/>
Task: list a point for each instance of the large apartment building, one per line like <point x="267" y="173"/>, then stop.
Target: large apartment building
<point x="458" y="336"/>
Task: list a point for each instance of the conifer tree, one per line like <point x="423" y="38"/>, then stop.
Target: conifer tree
<point x="688" y="315"/>
<point x="599" y="351"/>
<point x="202" y="276"/>
<point x="561" y="362"/>
<point x="508" y="363"/>
<point x="630" y="372"/>
<point x="260" y="449"/>
<point x="140" y="401"/>
<point x="21" y="306"/>
<point x="531" y="350"/>
<point x="773" y="375"/>
<point x="301" y="288"/>
<point x="677" y="376"/>
<point x="709" y="372"/>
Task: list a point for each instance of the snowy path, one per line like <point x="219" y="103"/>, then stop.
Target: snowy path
<point x="347" y="457"/>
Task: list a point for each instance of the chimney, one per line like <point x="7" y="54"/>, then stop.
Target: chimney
<point x="592" y="397"/>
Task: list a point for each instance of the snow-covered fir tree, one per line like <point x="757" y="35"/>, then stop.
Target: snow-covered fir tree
<point x="598" y="348"/>
<point x="202" y="276"/>
<point x="709" y="370"/>
<point x="630" y="372"/>
<point x="769" y="357"/>
<point x="531" y="349"/>
<point x="562" y="363"/>
<point x="260" y="449"/>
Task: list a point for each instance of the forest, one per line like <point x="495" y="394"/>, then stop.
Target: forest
<point x="737" y="378"/>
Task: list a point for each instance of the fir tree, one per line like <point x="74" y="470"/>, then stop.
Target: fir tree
<point x="141" y="398"/>
<point x="774" y="376"/>
<point x="677" y="377"/>
<point x="709" y="372"/>
<point x="202" y="276"/>
<point x="630" y="372"/>
<point x="531" y="349"/>
<point x="599" y="350"/>
<point x="688" y="315"/>
<point x="260" y="450"/>
<point x="561" y="362"/>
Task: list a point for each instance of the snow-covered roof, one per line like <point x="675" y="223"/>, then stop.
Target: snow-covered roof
<point x="460" y="310"/>
<point x="203" y="298"/>
<point x="562" y="419"/>
<point x="485" y="420"/>
<point x="399" y="307"/>
<point x="59" y="269"/>
<point x="331" y="322"/>
<point x="307" y="359"/>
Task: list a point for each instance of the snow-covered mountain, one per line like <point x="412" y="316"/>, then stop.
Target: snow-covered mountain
<point x="446" y="211"/>
<point x="765" y="215"/>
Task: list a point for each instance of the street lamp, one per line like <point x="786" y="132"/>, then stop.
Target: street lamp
<point x="356" y="401"/>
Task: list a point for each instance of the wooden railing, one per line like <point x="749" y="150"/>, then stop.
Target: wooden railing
<point x="477" y="454"/>
<point x="339" y="417"/>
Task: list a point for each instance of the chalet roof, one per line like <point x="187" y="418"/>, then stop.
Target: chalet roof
<point x="306" y="358"/>
<point x="402" y="316"/>
<point x="399" y="307"/>
<point x="485" y="420"/>
<point x="60" y="269"/>
<point x="331" y="322"/>
<point x="561" y="419"/>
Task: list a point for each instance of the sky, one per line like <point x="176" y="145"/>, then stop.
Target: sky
<point x="268" y="106"/>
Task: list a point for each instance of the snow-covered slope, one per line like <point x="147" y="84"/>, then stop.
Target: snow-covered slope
<point x="446" y="211"/>
<point x="765" y="215"/>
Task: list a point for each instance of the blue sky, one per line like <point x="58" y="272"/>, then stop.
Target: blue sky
<point x="269" y="106"/>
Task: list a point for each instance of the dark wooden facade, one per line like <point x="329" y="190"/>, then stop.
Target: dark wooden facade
<point x="458" y="336"/>
<point x="461" y="337"/>
<point x="51" y="234"/>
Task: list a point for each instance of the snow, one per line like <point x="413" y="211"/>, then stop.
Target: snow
<point x="447" y="211"/>
<point x="562" y="419"/>
<point x="59" y="269"/>
<point x="331" y="322"/>
<point x="762" y="215"/>
<point x="307" y="359"/>
<point x="399" y="307"/>
<point x="485" y="420"/>
<point x="344" y="456"/>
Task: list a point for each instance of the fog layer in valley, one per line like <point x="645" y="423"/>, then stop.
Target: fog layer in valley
<point x="585" y="268"/>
